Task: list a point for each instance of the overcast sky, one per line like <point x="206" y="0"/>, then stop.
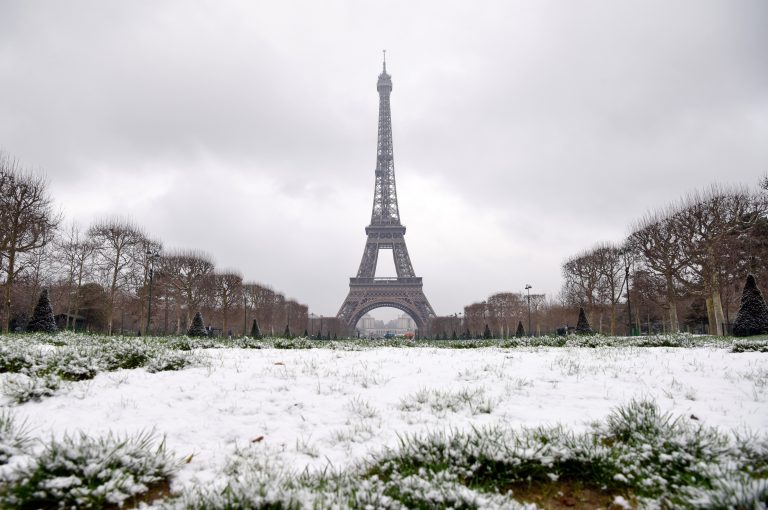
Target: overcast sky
<point x="524" y="132"/>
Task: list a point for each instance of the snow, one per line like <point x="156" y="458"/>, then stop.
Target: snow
<point x="315" y="407"/>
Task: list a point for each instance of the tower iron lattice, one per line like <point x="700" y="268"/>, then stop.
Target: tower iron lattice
<point x="366" y="292"/>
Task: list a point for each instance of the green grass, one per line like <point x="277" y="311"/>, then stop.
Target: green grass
<point x="133" y="350"/>
<point x="82" y="472"/>
<point x="14" y="437"/>
<point x="37" y="365"/>
<point x="637" y="452"/>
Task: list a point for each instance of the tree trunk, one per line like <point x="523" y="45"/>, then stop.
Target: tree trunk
<point x="674" y="325"/>
<point x="70" y="284"/>
<point x="8" y="289"/>
<point x="76" y="307"/>
<point x="613" y="319"/>
<point x="112" y="292"/>
<point x="225" y="322"/>
<point x="187" y="315"/>
<point x="711" y="316"/>
<point x="717" y="306"/>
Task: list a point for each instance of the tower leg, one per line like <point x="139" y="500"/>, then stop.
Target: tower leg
<point x="368" y="263"/>
<point x="402" y="260"/>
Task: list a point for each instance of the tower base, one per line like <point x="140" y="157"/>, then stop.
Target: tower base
<point x="406" y="294"/>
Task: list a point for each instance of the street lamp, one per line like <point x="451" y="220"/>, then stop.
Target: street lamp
<point x="151" y="255"/>
<point x="245" y="312"/>
<point x="528" y="288"/>
<point x="625" y="254"/>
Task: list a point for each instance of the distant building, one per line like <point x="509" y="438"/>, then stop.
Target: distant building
<point x="370" y="327"/>
<point x="405" y="323"/>
<point x="367" y="322"/>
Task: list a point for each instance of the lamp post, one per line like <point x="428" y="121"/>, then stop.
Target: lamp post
<point x="151" y="255"/>
<point x="245" y="313"/>
<point x="625" y="254"/>
<point x="528" y="288"/>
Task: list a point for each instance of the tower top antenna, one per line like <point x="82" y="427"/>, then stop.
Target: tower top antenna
<point x="385" y="60"/>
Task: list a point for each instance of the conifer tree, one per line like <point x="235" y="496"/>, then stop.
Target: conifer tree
<point x="453" y="336"/>
<point x="197" y="328"/>
<point x="487" y="332"/>
<point x="255" y="333"/>
<point x="752" y="318"/>
<point x="287" y="332"/>
<point x="520" y="330"/>
<point x="582" y="326"/>
<point x="43" y="320"/>
<point x="306" y="334"/>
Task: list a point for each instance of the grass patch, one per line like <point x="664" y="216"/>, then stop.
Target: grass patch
<point x="752" y="345"/>
<point x="81" y="472"/>
<point x="14" y="437"/>
<point x="474" y="400"/>
<point x="638" y="457"/>
<point x="133" y="350"/>
<point x="36" y="365"/>
<point x="21" y="388"/>
<point x="637" y="453"/>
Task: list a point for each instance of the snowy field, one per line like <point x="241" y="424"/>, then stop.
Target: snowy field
<point x="312" y="408"/>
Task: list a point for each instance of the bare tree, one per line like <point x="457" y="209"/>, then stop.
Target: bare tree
<point x="442" y="326"/>
<point x="476" y="317"/>
<point x="40" y="273"/>
<point x="582" y="280"/>
<point x="706" y="221"/>
<point x="74" y="256"/>
<point x="147" y="253"/>
<point x="296" y="316"/>
<point x="117" y="243"/>
<point x="228" y="288"/>
<point x="27" y="222"/>
<point x="186" y="273"/>
<point x="261" y="299"/>
<point x="279" y="313"/>
<point x="609" y="263"/>
<point x="257" y="298"/>
<point x="655" y="239"/>
<point x="538" y="302"/>
<point x="504" y="310"/>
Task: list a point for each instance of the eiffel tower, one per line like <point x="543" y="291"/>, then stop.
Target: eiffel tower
<point x="385" y="232"/>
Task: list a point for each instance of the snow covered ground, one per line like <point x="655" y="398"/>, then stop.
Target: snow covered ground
<point x="311" y="408"/>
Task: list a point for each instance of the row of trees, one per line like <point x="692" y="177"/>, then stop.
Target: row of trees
<point x="113" y="275"/>
<point x="693" y="254"/>
<point x="505" y="315"/>
<point x="500" y="314"/>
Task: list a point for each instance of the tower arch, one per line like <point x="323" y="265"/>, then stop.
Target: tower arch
<point x="412" y="313"/>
